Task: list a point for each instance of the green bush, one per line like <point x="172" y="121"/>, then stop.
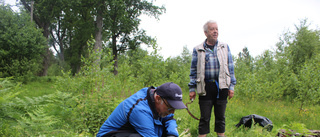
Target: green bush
<point x="21" y="45"/>
<point x="93" y="91"/>
<point x="23" y="70"/>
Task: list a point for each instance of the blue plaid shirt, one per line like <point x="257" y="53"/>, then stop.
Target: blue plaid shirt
<point x="211" y="67"/>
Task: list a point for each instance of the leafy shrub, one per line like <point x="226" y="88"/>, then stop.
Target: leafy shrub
<point x="296" y="129"/>
<point x="21" y="45"/>
<point x="8" y="91"/>
<point x="23" y="70"/>
<point x="308" y="91"/>
<point x="93" y="91"/>
<point x="29" y="116"/>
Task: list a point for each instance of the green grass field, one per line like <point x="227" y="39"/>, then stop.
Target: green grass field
<point x="284" y="115"/>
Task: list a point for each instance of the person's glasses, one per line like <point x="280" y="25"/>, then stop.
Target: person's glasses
<point x="168" y="106"/>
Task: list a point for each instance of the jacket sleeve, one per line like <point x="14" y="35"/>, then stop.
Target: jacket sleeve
<point x="143" y="122"/>
<point x="231" y="70"/>
<point x="170" y="126"/>
<point x="193" y="71"/>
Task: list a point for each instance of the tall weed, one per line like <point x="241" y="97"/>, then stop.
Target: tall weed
<point x="93" y="91"/>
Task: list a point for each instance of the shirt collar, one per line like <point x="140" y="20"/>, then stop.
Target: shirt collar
<point x="150" y="97"/>
<point x="206" y="46"/>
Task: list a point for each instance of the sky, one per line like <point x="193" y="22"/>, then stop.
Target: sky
<point x="255" y="24"/>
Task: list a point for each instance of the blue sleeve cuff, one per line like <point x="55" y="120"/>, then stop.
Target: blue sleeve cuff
<point x="171" y="126"/>
<point x="231" y="87"/>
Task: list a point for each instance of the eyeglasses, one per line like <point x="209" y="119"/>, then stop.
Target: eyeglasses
<point x="168" y="106"/>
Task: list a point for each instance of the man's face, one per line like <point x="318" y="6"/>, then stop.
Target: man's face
<point x="212" y="32"/>
<point x="165" y="108"/>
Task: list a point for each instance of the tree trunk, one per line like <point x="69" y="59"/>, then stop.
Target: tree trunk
<point x="31" y="14"/>
<point x="45" y="26"/>
<point x="115" y="55"/>
<point x="98" y="37"/>
<point x="46" y="55"/>
<point x="61" y="54"/>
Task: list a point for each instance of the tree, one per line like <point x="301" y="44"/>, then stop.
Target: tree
<point x="44" y="12"/>
<point x="309" y="88"/>
<point x="293" y="52"/>
<point x="123" y="20"/>
<point x="21" y="44"/>
<point x="98" y="31"/>
<point x="186" y="56"/>
<point x="303" y="46"/>
<point x="246" y="58"/>
<point x="178" y="68"/>
<point x="71" y="24"/>
<point x="82" y="30"/>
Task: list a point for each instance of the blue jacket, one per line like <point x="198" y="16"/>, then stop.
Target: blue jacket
<point x="137" y="114"/>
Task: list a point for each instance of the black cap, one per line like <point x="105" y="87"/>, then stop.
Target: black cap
<point x="172" y="93"/>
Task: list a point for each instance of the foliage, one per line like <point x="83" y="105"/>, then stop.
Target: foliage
<point x="281" y="113"/>
<point x="246" y="59"/>
<point x="258" y="79"/>
<point x="21" y="45"/>
<point x="303" y="46"/>
<point x="92" y="93"/>
<point x="123" y="25"/>
<point x="68" y="25"/>
<point x="95" y="88"/>
<point x="178" y="68"/>
<point x="30" y="116"/>
<point x="281" y="84"/>
<point x="8" y="91"/>
<point x="297" y="129"/>
<point x="83" y="102"/>
<point x="289" y="73"/>
<point x="308" y="86"/>
<point x="67" y="110"/>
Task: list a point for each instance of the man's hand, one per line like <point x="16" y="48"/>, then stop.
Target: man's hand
<point x="230" y="94"/>
<point x="192" y="95"/>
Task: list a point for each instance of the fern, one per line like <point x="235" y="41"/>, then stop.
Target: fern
<point x="297" y="129"/>
<point x="38" y="121"/>
<point x="37" y="115"/>
<point x="8" y="90"/>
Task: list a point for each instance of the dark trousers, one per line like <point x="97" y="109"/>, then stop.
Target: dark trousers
<point x="219" y="104"/>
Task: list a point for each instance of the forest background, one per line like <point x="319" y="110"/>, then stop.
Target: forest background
<point x="67" y="66"/>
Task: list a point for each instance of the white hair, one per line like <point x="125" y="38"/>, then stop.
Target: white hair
<point x="205" y="26"/>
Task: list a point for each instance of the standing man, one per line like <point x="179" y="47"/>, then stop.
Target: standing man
<point x="212" y="75"/>
<point x="147" y="113"/>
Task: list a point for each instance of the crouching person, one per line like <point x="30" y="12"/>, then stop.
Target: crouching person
<point x="147" y="113"/>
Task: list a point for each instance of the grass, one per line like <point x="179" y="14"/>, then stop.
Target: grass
<point x="282" y="114"/>
<point x="36" y="89"/>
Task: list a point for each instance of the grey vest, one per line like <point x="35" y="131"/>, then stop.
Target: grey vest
<point x="224" y="75"/>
